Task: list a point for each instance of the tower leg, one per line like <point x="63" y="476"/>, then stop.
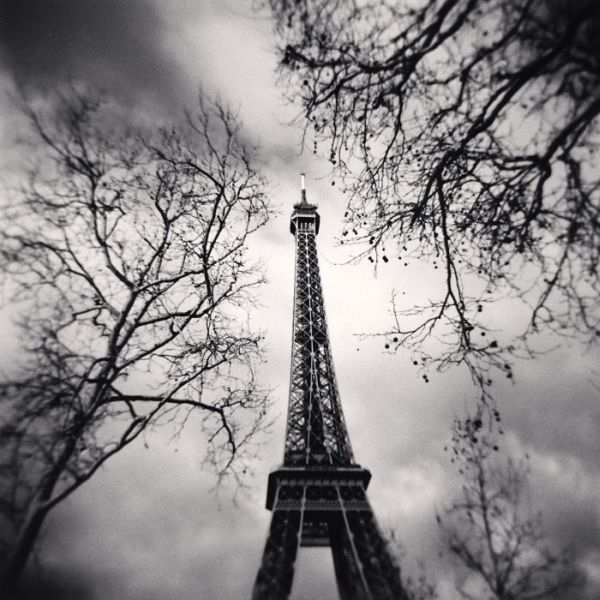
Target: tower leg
<point x="276" y="574"/>
<point x="350" y="581"/>
<point x="364" y="568"/>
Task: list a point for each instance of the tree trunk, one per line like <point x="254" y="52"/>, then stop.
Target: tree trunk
<point x="21" y="551"/>
<point x="30" y="529"/>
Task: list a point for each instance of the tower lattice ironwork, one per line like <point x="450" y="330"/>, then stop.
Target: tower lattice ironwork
<point x="318" y="496"/>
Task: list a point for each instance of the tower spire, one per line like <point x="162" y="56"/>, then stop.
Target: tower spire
<point x="318" y="496"/>
<point x="302" y="189"/>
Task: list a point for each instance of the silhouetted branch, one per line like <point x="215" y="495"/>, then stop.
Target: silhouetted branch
<point x="464" y="134"/>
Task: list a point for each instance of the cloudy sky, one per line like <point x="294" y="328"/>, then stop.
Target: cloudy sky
<point x="149" y="525"/>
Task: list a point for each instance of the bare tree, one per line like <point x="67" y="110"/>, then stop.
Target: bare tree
<point x="126" y="254"/>
<point x="490" y="531"/>
<point x="465" y="135"/>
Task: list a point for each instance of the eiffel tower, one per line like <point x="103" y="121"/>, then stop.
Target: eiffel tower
<point x="318" y="496"/>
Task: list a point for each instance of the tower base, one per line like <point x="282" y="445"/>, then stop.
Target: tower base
<point x="326" y="506"/>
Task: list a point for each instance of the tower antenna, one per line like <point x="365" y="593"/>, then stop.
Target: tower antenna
<point x="303" y="188"/>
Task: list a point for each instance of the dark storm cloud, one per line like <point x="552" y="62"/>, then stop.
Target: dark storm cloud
<point x="111" y="44"/>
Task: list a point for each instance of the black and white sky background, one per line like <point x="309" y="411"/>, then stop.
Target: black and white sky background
<point x="148" y="526"/>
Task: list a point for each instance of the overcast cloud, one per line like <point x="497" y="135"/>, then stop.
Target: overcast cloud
<point x="148" y="526"/>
